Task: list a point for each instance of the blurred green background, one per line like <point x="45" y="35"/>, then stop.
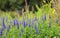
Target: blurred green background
<point x="7" y="5"/>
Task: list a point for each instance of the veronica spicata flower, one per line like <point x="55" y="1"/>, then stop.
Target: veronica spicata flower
<point x="24" y="23"/>
<point x="36" y="30"/>
<point x="1" y="30"/>
<point x="16" y="23"/>
<point x="3" y="24"/>
<point x="0" y="33"/>
<point x="44" y="17"/>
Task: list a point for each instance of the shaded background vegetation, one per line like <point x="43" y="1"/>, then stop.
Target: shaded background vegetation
<point x="19" y="4"/>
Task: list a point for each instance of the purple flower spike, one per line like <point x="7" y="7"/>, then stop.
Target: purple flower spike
<point x="25" y="24"/>
<point x="1" y="30"/>
<point x="44" y="17"/>
<point x="3" y="24"/>
<point x="16" y="22"/>
<point x="36" y="30"/>
<point x="0" y="33"/>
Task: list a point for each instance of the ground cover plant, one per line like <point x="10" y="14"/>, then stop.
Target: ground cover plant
<point x="42" y="24"/>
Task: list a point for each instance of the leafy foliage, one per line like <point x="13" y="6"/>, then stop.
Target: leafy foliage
<point x="38" y="25"/>
<point x="19" y="4"/>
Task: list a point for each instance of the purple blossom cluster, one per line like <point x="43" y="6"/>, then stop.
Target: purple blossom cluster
<point x="28" y="22"/>
<point x="16" y="23"/>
